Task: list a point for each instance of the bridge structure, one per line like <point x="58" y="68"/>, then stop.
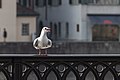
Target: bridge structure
<point x="60" y="67"/>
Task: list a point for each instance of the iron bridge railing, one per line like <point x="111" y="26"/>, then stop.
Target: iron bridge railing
<point x="50" y="67"/>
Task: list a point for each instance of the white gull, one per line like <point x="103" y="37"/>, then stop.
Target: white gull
<point x="42" y="42"/>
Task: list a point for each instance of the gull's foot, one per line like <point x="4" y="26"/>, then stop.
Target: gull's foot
<point x="43" y="54"/>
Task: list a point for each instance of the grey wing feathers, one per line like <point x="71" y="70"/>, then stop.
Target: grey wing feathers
<point x="38" y="44"/>
<point x="35" y="43"/>
<point x="49" y="43"/>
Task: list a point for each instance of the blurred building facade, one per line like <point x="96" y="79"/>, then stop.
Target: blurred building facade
<point x="77" y="20"/>
<point x="80" y="20"/>
<point x="18" y="20"/>
<point x="26" y="24"/>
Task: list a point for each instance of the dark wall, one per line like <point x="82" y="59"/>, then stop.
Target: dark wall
<point x="63" y="47"/>
<point x="13" y="47"/>
<point x="86" y="47"/>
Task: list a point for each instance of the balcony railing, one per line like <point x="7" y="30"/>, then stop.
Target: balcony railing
<point x="60" y="67"/>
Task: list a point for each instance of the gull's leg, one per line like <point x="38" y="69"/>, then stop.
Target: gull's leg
<point x="43" y="52"/>
<point x="39" y="51"/>
<point x="46" y="52"/>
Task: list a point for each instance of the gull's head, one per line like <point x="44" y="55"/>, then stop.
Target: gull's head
<point x="46" y="29"/>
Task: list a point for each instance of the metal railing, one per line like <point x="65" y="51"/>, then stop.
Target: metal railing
<point x="60" y="67"/>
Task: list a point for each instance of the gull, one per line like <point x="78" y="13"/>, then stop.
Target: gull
<point x="42" y="42"/>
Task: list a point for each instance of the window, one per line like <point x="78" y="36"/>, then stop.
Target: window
<point x="88" y="1"/>
<point x="36" y="2"/>
<point x="25" y="29"/>
<point x="54" y="2"/>
<point x="67" y="29"/>
<point x="102" y="2"/>
<point x="40" y="3"/>
<point x="55" y="31"/>
<point x="19" y="1"/>
<point x="105" y="32"/>
<point x="30" y="3"/>
<point x="59" y="25"/>
<point x="77" y="27"/>
<point x="74" y="2"/>
<point x="24" y="2"/>
<point x="0" y="3"/>
<point x="108" y="2"/>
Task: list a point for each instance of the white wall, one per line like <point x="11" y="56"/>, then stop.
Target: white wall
<point x="32" y="28"/>
<point x="64" y="13"/>
<point x="8" y="19"/>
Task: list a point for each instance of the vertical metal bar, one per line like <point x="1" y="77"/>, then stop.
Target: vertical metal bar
<point x="17" y="69"/>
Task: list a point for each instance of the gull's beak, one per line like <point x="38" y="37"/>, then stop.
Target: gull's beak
<point x="48" y="29"/>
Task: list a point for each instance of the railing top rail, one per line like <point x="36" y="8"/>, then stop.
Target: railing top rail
<point x="60" y="55"/>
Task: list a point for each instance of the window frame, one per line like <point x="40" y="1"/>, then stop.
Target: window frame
<point x="25" y="29"/>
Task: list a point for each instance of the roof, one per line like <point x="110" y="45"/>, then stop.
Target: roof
<point x="24" y="11"/>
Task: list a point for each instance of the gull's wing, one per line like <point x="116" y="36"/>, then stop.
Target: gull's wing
<point x="49" y="43"/>
<point x="35" y="43"/>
